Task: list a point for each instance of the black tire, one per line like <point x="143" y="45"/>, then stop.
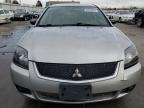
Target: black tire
<point x="139" y="22"/>
<point x="26" y="18"/>
<point x="120" y="20"/>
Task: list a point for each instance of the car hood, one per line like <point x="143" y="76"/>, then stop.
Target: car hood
<point x="75" y="44"/>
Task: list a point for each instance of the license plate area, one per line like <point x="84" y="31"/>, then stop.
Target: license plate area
<point x="74" y="92"/>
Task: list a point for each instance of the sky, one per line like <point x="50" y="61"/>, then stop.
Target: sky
<point x="100" y="3"/>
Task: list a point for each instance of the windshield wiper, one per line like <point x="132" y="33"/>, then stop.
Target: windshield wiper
<point x="76" y="24"/>
<point x="46" y="25"/>
<point x="51" y="25"/>
<point x="84" y="24"/>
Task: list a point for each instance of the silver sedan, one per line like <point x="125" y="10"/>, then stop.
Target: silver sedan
<point x="74" y="54"/>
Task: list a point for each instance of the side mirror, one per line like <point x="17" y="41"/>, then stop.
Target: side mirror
<point x="33" y="21"/>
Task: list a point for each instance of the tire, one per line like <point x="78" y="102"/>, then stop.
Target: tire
<point x="139" y="22"/>
<point x="120" y="20"/>
<point x="26" y="18"/>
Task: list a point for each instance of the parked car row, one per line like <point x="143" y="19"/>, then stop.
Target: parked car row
<point x="6" y="16"/>
<point x="126" y="16"/>
<point x="21" y="14"/>
<point x="121" y="16"/>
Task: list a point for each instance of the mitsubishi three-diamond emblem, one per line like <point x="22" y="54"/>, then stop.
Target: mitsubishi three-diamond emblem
<point x="77" y="74"/>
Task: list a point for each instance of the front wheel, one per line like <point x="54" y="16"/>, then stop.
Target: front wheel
<point x="139" y="22"/>
<point x="26" y="18"/>
<point x="120" y="20"/>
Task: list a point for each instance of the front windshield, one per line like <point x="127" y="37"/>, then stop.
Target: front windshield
<point x="6" y="11"/>
<point x="20" y="11"/>
<point x="73" y="15"/>
<point x="124" y="12"/>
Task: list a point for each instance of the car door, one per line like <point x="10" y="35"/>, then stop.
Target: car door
<point x="7" y="15"/>
<point x="2" y="15"/>
<point x="116" y="16"/>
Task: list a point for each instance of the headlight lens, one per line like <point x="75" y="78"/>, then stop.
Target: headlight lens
<point x="21" y="16"/>
<point x="21" y="57"/>
<point x="131" y="57"/>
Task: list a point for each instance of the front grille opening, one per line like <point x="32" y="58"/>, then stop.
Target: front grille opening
<point x="23" y="90"/>
<point x="129" y="89"/>
<point x="105" y="94"/>
<point x="46" y="95"/>
<point x="96" y="96"/>
<point x="66" y="71"/>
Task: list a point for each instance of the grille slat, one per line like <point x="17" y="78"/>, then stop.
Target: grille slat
<point x="66" y="71"/>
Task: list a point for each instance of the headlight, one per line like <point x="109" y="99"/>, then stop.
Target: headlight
<point x="22" y="16"/>
<point x="131" y="57"/>
<point x="21" y="57"/>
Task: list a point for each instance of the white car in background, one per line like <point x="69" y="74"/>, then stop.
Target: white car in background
<point x="5" y="16"/>
<point x="11" y="14"/>
<point x="110" y="14"/>
<point x="123" y="16"/>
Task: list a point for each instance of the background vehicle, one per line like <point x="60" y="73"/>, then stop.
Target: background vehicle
<point x="21" y="14"/>
<point x="5" y="16"/>
<point x="35" y="14"/>
<point x="139" y="18"/>
<point x="110" y="15"/>
<point x="123" y="16"/>
<point x="11" y="14"/>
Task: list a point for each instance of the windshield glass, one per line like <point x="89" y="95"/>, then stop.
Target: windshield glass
<point x="73" y="15"/>
<point x="124" y="12"/>
<point x="20" y="11"/>
<point x="6" y="11"/>
<point x="1" y="12"/>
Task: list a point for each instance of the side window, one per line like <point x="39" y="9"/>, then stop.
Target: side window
<point x="118" y="12"/>
<point x="6" y="12"/>
<point x="1" y="12"/>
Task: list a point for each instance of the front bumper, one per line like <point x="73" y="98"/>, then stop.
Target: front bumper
<point x="4" y="21"/>
<point x="17" y="18"/>
<point x="127" y="20"/>
<point x="102" y="90"/>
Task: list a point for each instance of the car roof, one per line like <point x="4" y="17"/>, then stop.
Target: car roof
<point x="123" y="10"/>
<point x="72" y="4"/>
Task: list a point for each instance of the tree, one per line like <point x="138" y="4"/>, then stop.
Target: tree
<point x="15" y="2"/>
<point x="38" y="4"/>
